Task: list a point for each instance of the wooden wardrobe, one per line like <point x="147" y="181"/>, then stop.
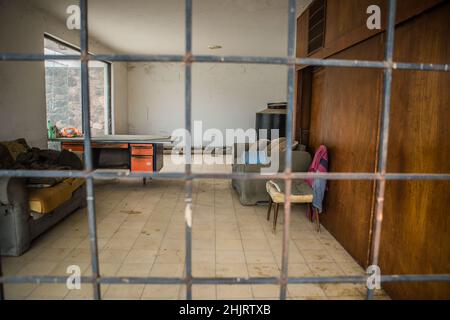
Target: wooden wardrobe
<point x="340" y="107"/>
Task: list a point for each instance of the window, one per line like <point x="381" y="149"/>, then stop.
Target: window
<point x="63" y="90"/>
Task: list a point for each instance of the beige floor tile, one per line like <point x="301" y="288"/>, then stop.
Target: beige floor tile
<point x="67" y="243"/>
<point x="124" y="291"/>
<point x="204" y="256"/>
<point x="344" y="290"/>
<point x="310" y="244"/>
<point x="200" y="292"/>
<point x="134" y="270"/>
<point x="231" y="270"/>
<point x="226" y="234"/>
<point x="120" y="243"/>
<point x="54" y="291"/>
<point x="299" y="270"/>
<point x="161" y="292"/>
<point x="172" y="244"/>
<point x="316" y="256"/>
<point x="107" y="269"/>
<point x="53" y="254"/>
<point x="325" y="269"/>
<point x="234" y="292"/>
<point x="340" y="255"/>
<point x="37" y="268"/>
<point x="204" y="235"/>
<point x="86" y="292"/>
<point x="147" y="242"/>
<point x="204" y="245"/>
<point x="18" y="291"/>
<point x="305" y="291"/>
<point x="263" y="270"/>
<point x="351" y="268"/>
<point x="294" y="257"/>
<point x="167" y="270"/>
<point x="259" y="257"/>
<point x="255" y="235"/>
<point x="203" y="269"/>
<point x="141" y="256"/>
<point x="78" y="256"/>
<point x="226" y="256"/>
<point x="170" y="256"/>
<point x="266" y="291"/>
<point x="113" y="255"/>
<point x="229" y="245"/>
<point x="255" y="244"/>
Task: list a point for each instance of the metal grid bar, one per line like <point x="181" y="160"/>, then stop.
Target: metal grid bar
<point x="234" y="59"/>
<point x="254" y="176"/>
<point x="226" y="280"/>
<point x="188" y="156"/>
<point x="384" y="138"/>
<point x="84" y="47"/>
<point x="291" y="61"/>
<point x="288" y="160"/>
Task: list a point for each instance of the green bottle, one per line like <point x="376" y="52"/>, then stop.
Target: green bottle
<point x="50" y="130"/>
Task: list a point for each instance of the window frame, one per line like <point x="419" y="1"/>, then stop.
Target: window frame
<point x="108" y="86"/>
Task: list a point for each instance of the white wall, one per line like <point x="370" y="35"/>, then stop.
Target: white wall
<point x="22" y="84"/>
<point x="223" y="96"/>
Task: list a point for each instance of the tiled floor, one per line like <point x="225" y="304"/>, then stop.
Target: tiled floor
<point x="141" y="233"/>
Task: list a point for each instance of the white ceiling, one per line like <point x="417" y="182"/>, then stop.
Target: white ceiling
<point x="246" y="27"/>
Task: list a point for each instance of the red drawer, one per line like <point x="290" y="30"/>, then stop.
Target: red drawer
<point x="110" y="145"/>
<point x="142" y="163"/>
<point x="142" y="149"/>
<point x="73" y="147"/>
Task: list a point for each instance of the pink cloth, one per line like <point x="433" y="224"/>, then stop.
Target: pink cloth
<point x="319" y="163"/>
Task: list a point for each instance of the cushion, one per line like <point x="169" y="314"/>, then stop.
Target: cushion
<point x="254" y="157"/>
<point x="279" y="143"/>
<point x="45" y="200"/>
<point x="301" y="191"/>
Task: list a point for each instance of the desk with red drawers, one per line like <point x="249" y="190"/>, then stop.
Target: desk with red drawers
<point x="144" y="152"/>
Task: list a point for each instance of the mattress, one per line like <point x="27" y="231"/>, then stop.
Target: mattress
<point x="45" y="200"/>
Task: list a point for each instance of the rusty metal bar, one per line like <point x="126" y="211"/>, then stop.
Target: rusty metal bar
<point x="188" y="147"/>
<point x="289" y="138"/>
<point x="233" y="59"/>
<point x="253" y="176"/>
<point x="384" y="138"/>
<point x="90" y="197"/>
<point x="227" y="280"/>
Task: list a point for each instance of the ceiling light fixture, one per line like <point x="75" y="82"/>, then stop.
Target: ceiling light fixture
<point x="214" y="47"/>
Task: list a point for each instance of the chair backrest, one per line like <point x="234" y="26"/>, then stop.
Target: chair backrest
<point x="301" y="161"/>
<point x="279" y="144"/>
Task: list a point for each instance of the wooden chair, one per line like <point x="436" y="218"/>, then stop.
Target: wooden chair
<point x="301" y="193"/>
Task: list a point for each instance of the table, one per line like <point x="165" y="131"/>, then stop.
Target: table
<point x="138" y="153"/>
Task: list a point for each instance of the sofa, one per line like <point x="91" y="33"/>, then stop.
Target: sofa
<point x="30" y="206"/>
<point x="252" y="192"/>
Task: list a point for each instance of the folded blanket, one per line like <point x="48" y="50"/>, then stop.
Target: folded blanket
<point x="26" y="158"/>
